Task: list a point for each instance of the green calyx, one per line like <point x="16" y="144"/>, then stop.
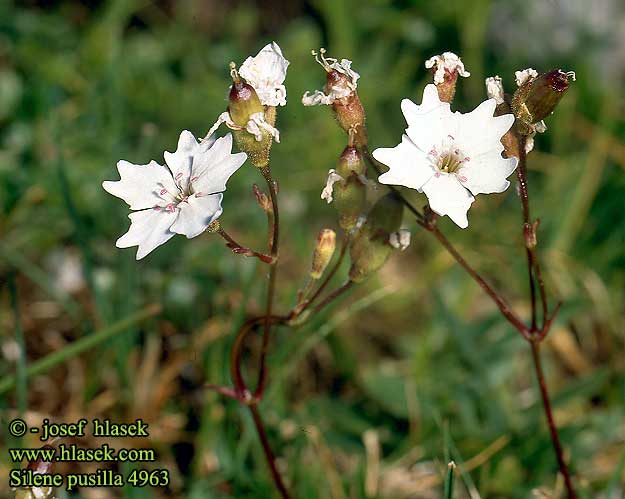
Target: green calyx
<point x="371" y="248"/>
<point x="350" y="194"/>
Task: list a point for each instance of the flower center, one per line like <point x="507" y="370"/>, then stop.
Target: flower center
<point x="184" y="190"/>
<point x="447" y="158"/>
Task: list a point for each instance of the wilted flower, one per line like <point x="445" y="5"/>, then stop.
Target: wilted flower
<point x="257" y="88"/>
<point x="266" y="73"/>
<point x="446" y="68"/>
<point x="245" y="112"/>
<point x="525" y="75"/>
<point x="327" y="191"/>
<point x="338" y="86"/>
<point x="183" y="197"/>
<point x="494" y="89"/>
<point x="449" y="156"/>
<point x="340" y="92"/>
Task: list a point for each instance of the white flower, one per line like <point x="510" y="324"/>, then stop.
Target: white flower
<point x="524" y="76"/>
<point x="494" y="88"/>
<point x="449" y="156"/>
<point x="266" y="73"/>
<point x="183" y="197"/>
<point x="333" y="177"/>
<point x="446" y="63"/>
<point x="400" y="239"/>
<point x="338" y="88"/>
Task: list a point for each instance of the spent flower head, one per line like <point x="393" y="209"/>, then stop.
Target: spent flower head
<point x="494" y="89"/>
<point x="524" y="75"/>
<point x="446" y="68"/>
<point x="342" y="81"/>
<point x="266" y="72"/>
<point x="256" y="90"/>
<point x="449" y="155"/>
<point x="182" y="197"/>
<point x="340" y="92"/>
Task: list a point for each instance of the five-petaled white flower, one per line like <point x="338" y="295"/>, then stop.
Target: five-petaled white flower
<point x="449" y="156"/>
<point x="266" y="73"/>
<point x="183" y="197"/>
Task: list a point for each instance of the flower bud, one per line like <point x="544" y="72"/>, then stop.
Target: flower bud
<point x="326" y="244"/>
<point x="537" y="97"/>
<point x="371" y="247"/>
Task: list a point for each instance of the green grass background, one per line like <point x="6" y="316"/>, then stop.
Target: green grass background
<point x="416" y="363"/>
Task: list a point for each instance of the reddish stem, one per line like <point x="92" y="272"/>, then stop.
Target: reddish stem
<point x="269" y="455"/>
<point x="273" y="248"/>
<point x="555" y="439"/>
<point x="505" y="309"/>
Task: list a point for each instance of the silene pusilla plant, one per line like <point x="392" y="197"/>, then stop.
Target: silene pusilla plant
<point x="449" y="156"/>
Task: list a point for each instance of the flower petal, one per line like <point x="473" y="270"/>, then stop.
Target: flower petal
<point x="180" y="160"/>
<point x="196" y="214"/>
<point x="408" y="165"/>
<point x="148" y="230"/>
<point x="214" y="166"/>
<point x="139" y="185"/>
<point x="479" y="132"/>
<point x="430" y="122"/>
<point x="487" y="173"/>
<point x="448" y="197"/>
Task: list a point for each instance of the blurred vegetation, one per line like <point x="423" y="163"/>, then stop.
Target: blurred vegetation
<point x="413" y="368"/>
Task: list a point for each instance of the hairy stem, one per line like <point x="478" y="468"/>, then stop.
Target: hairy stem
<point x="555" y="439"/>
